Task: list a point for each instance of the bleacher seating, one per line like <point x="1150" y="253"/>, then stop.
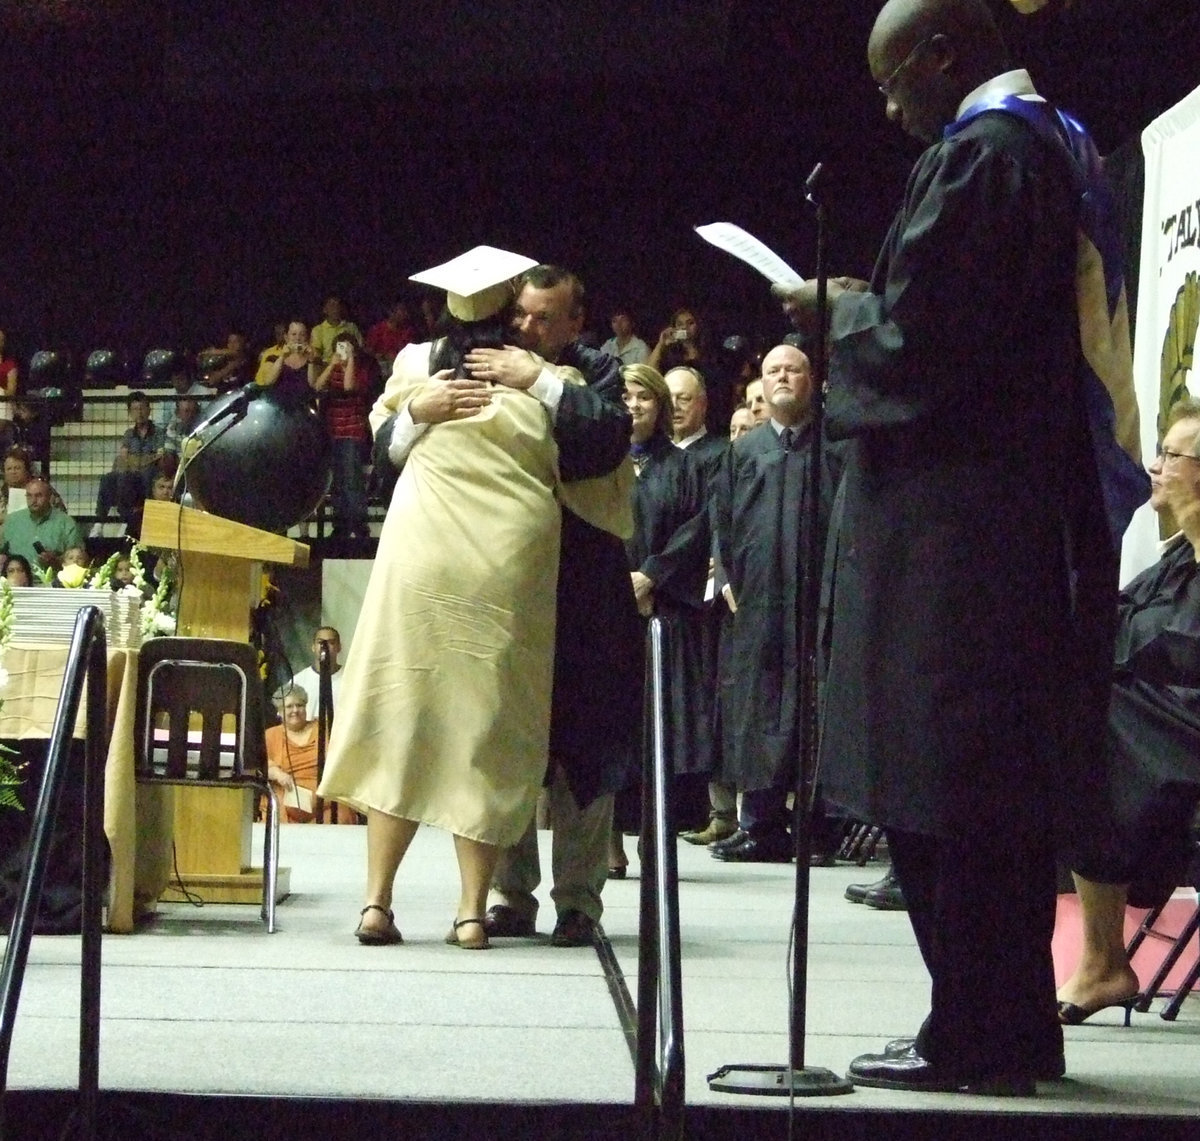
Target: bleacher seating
<point x="82" y="450"/>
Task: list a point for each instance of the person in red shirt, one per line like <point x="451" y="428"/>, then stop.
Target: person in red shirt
<point x="8" y="383"/>
<point x="387" y="337"/>
<point x="345" y="387"/>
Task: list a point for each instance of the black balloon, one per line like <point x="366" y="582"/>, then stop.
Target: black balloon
<point x="269" y="468"/>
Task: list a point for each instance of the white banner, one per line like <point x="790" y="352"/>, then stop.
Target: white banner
<point x="1168" y="305"/>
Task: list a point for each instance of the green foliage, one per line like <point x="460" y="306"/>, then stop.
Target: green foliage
<point x="10" y="781"/>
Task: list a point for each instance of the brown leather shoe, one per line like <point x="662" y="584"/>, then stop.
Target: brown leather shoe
<point x="719" y="827"/>
<point x="502" y="922"/>
<point x="573" y="929"/>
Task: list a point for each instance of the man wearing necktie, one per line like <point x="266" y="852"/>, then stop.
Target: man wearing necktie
<point x="761" y="543"/>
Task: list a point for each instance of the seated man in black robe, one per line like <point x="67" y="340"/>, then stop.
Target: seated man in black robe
<point x="1154" y="735"/>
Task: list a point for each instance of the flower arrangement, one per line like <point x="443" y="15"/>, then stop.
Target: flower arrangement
<point x="10" y="773"/>
<point x="73" y="576"/>
<point x="156" y="618"/>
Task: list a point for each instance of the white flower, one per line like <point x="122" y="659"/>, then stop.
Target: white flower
<point x="164" y="623"/>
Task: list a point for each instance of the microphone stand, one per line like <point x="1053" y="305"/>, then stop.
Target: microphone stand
<point x="797" y="1079"/>
<point x="324" y="724"/>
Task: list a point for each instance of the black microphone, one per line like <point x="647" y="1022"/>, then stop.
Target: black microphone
<point x="813" y="182"/>
<point x="235" y="407"/>
<point x="192" y="445"/>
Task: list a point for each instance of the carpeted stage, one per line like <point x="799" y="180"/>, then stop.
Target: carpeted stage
<point x="213" y="1029"/>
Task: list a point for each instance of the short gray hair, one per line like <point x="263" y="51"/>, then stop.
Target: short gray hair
<point x="1186" y="409"/>
<point x="289" y="689"/>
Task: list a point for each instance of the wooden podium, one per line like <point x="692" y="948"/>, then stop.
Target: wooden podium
<point x="221" y="579"/>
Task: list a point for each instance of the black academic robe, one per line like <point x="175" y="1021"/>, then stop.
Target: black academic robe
<point x="705" y="626"/>
<point x="1154" y="728"/>
<point x="670" y="546"/>
<point x="760" y="520"/>
<point x="974" y="581"/>
<point x="974" y="592"/>
<point x="595" y="711"/>
<point x="708" y="453"/>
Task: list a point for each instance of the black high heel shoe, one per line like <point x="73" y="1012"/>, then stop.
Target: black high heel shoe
<point x="1072" y="1014"/>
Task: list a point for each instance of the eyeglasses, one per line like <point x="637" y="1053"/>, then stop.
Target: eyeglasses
<point x="1165" y="454"/>
<point x="885" y="88"/>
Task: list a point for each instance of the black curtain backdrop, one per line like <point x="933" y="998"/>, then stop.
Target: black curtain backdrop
<point x="174" y="170"/>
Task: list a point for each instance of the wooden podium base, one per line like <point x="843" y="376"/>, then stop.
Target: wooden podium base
<point x="245" y="887"/>
<point x="221" y="565"/>
<point x="212" y="846"/>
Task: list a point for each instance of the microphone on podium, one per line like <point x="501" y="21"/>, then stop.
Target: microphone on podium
<point x="228" y="412"/>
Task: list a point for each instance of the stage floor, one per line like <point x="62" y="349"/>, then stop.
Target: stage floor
<point x="202" y="1000"/>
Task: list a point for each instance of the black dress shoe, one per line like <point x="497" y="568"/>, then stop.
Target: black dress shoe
<point x="886" y="895"/>
<point x="910" y="1071"/>
<point x="503" y="922"/>
<point x="573" y="929"/>
<point x="1051" y="1070"/>
<point x="739" y="836"/>
<point x="773" y="848"/>
<point x="858" y="892"/>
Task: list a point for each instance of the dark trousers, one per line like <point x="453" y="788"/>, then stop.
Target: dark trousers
<point x="764" y="810"/>
<point x="983" y="914"/>
<point x="349" y="488"/>
<point x="124" y="490"/>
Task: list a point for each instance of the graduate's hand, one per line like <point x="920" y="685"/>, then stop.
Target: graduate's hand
<point x="510" y="366"/>
<point x="727" y="594"/>
<point x="448" y="399"/>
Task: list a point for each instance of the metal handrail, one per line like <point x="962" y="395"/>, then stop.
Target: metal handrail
<point x="87" y="661"/>
<point x="659" y="1082"/>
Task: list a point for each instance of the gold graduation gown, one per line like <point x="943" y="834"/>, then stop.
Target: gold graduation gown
<point x="445" y="709"/>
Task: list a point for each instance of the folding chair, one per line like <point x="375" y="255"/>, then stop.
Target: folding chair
<point x="191" y="691"/>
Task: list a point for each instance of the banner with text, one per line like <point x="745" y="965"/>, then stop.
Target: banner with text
<point x="1168" y="294"/>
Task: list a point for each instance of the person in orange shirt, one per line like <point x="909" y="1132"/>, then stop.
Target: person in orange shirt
<point x="292" y="759"/>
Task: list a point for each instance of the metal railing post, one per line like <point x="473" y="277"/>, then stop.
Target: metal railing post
<point x="659" y="1083"/>
<point x="86" y="662"/>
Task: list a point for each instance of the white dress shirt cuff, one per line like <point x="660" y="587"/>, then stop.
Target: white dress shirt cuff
<point x="405" y="433"/>
<point x="548" y="388"/>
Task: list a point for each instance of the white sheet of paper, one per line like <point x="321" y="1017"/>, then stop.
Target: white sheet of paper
<point x="734" y="240"/>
